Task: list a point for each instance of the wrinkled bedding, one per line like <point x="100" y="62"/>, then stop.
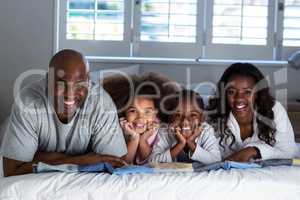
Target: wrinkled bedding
<point x="281" y="182"/>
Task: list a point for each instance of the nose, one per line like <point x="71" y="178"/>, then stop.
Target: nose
<point x="239" y="95"/>
<point x="185" y="121"/>
<point x="69" y="92"/>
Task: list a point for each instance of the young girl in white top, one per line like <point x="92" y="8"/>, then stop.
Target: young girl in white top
<point x="187" y="138"/>
<point x="137" y="99"/>
<point x="252" y="125"/>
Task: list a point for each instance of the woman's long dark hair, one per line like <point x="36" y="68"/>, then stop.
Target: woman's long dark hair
<point x="263" y="104"/>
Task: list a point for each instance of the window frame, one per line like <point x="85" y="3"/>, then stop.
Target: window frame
<point x="203" y="48"/>
<point x="168" y="49"/>
<point x="95" y="47"/>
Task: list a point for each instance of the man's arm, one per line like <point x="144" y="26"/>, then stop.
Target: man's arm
<point x="14" y="167"/>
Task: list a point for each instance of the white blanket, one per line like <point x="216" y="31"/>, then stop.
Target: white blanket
<point x="267" y="183"/>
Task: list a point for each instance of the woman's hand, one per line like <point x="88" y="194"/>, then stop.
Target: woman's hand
<point x="244" y="155"/>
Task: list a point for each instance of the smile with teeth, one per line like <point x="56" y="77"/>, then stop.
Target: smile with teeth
<point x="140" y="125"/>
<point x="185" y="129"/>
<point x="69" y="103"/>
<point x="240" y="106"/>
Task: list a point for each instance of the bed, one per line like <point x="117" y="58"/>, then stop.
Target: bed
<point x="281" y="182"/>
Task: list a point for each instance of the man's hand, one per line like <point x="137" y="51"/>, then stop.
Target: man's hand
<point x="14" y="167"/>
<point x="113" y="160"/>
<point x="244" y="155"/>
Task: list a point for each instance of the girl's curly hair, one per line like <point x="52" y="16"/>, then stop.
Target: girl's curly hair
<point x="263" y="104"/>
<point x="123" y="89"/>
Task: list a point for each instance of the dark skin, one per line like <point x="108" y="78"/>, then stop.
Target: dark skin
<point x="68" y="83"/>
<point x="241" y="97"/>
<point x="186" y="127"/>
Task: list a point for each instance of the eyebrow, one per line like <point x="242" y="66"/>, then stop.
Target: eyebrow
<point x="196" y="111"/>
<point x="64" y="80"/>
<point x="231" y="87"/>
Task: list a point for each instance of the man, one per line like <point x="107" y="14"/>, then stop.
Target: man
<point x="62" y="119"/>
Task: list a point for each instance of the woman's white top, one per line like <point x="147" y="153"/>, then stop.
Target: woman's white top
<point x="285" y="146"/>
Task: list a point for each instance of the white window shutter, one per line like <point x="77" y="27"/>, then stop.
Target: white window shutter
<point x="168" y="28"/>
<point x="96" y="27"/>
<point x="237" y="27"/>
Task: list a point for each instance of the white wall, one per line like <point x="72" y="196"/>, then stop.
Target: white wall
<point x="282" y="79"/>
<point x="26" y="43"/>
<point x="25" y="40"/>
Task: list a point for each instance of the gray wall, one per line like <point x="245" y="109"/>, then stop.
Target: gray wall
<point x="26" y="42"/>
<point x="26" y="36"/>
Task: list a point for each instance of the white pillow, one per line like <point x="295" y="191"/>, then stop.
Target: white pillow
<point x="96" y="76"/>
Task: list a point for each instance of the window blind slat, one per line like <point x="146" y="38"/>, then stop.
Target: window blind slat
<point x="291" y="23"/>
<point x="240" y="22"/>
<point x="168" y="21"/>
<point x="95" y="20"/>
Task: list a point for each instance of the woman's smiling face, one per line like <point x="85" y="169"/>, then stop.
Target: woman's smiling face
<point x="241" y="96"/>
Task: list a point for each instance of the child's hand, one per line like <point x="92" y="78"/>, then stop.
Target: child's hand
<point x="197" y="131"/>
<point x="191" y="139"/>
<point x="180" y="138"/>
<point x="128" y="128"/>
<point x="151" y="129"/>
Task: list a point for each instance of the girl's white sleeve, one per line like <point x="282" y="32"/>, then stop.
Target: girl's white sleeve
<point x="285" y="146"/>
<point x="207" y="150"/>
<point x="161" y="150"/>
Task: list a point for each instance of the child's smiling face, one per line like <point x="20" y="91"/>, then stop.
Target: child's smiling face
<point x="141" y="113"/>
<point x="187" y="117"/>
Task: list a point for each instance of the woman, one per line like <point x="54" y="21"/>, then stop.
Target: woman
<point x="252" y="125"/>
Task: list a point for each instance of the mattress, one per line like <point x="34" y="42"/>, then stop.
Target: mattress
<point x="281" y="182"/>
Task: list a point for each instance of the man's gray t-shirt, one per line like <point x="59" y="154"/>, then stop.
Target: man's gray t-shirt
<point x="34" y="126"/>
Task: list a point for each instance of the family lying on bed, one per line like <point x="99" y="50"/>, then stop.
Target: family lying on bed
<point x="64" y="119"/>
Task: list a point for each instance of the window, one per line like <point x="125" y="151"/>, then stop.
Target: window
<point x="240" y="29"/>
<point x="168" y="28"/>
<point x="240" y="22"/>
<point x="90" y="20"/>
<point x="213" y="29"/>
<point x="291" y="23"/>
<point x="169" y="21"/>
<point x="95" y="27"/>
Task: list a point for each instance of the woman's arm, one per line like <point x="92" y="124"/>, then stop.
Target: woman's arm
<point x="285" y="146"/>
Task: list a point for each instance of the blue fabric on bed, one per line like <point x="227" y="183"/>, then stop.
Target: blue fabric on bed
<point x="133" y="169"/>
<point x="200" y="167"/>
<point x="99" y="167"/>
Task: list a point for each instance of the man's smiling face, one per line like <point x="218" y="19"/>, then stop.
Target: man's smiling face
<point x="70" y="75"/>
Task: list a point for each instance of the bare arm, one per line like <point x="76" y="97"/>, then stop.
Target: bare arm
<point x="179" y="146"/>
<point x="14" y="167"/>
<point x="144" y="148"/>
<point x="132" y="146"/>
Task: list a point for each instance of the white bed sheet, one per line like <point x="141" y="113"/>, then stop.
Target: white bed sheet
<point x="268" y="183"/>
